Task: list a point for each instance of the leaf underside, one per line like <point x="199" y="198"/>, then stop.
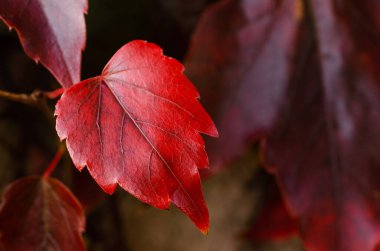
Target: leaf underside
<point x="52" y="32"/>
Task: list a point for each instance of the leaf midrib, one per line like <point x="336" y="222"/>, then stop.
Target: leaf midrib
<point x="153" y="147"/>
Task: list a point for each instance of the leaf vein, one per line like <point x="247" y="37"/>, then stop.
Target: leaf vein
<point x="158" y="153"/>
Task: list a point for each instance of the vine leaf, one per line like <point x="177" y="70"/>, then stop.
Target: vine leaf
<point x="301" y="77"/>
<point x="40" y="214"/>
<point x="52" y="32"/>
<point x="137" y="125"/>
<point x="239" y="60"/>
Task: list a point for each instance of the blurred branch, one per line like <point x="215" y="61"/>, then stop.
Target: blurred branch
<point x="36" y="99"/>
<point x="33" y="99"/>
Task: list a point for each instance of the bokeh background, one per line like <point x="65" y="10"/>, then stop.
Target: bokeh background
<point x="120" y="222"/>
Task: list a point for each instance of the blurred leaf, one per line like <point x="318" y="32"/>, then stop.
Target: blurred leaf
<point x="52" y="32"/>
<point x="40" y="214"/>
<point x="302" y="76"/>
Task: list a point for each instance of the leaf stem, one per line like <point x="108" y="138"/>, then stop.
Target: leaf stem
<point x="55" y="161"/>
<point x="54" y="94"/>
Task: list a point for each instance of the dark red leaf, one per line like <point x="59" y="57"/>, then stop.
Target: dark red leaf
<point x="52" y="32"/>
<point x="40" y="214"/>
<point x="306" y="81"/>
<point x="236" y="49"/>
<point x="137" y="125"/>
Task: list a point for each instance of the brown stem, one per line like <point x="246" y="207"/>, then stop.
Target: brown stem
<point x="36" y="99"/>
<point x="28" y="99"/>
<point x="33" y="99"/>
<point x="54" y="162"/>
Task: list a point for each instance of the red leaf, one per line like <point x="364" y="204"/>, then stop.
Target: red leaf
<point x="235" y="50"/>
<point x="137" y="125"/>
<point x="306" y="81"/>
<point x="40" y="214"/>
<point x="50" y="31"/>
